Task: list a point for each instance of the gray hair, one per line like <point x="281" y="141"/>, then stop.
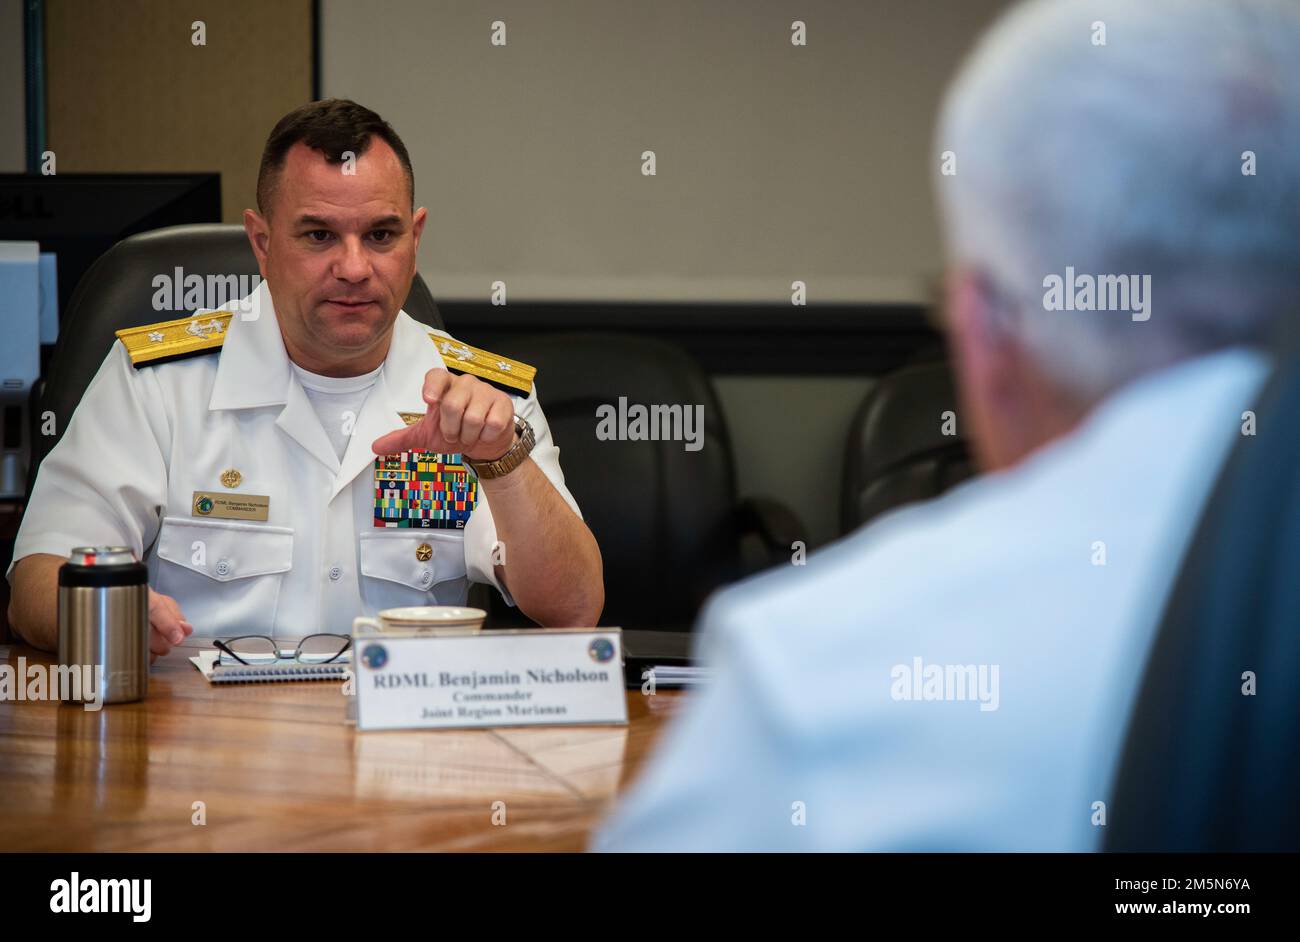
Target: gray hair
<point x="1129" y="158"/>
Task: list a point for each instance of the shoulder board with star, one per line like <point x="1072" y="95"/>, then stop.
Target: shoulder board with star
<point x="504" y="373"/>
<point x="174" y="340"/>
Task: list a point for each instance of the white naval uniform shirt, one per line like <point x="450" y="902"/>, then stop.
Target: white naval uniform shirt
<point x="142" y="441"/>
<point x="807" y="740"/>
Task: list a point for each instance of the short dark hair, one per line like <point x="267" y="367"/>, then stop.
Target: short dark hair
<point x="332" y="125"/>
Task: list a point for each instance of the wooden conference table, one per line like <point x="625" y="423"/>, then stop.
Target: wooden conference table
<point x="277" y="769"/>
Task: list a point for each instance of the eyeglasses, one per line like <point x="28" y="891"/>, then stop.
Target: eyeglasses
<point x="261" y="649"/>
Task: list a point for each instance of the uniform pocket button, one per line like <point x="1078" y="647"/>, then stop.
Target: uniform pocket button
<point x="425" y="577"/>
<point x="223" y="567"/>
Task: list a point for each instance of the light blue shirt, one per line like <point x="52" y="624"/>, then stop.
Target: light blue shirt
<point x="1041" y="587"/>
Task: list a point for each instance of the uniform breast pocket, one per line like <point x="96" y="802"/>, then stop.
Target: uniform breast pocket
<point x="226" y="576"/>
<point x="412" y="567"/>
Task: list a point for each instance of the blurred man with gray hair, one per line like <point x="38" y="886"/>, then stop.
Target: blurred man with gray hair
<point x="1121" y="199"/>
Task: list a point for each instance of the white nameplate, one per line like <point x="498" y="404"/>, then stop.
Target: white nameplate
<point x="551" y="677"/>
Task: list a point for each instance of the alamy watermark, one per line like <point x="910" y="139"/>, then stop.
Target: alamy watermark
<point x="948" y="682"/>
<point x="81" y="895"/>
<point x="177" y="291"/>
<point x="654" y="423"/>
<point x="1082" y="292"/>
<point x="77" y="682"/>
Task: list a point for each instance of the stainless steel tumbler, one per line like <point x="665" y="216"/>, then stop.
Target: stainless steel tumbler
<point x="104" y="621"/>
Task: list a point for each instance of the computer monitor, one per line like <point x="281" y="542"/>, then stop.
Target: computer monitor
<point x="80" y="216"/>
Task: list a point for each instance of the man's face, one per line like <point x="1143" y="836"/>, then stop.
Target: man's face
<point x="337" y="250"/>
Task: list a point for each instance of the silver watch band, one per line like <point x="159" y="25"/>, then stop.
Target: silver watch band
<point x="487" y="470"/>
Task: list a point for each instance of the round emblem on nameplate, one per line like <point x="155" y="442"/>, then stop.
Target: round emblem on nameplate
<point x="374" y="656"/>
<point x="601" y="650"/>
<point x="231" y="478"/>
<point x="424" y="552"/>
<point x="203" y="505"/>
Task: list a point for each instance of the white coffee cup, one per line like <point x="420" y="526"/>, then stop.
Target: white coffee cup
<point x="422" y="620"/>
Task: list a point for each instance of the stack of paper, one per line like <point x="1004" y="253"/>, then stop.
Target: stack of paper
<point x="675" y="675"/>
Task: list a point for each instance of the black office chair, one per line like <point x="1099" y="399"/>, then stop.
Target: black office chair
<point x="1205" y="767"/>
<point x="668" y="521"/>
<point x="896" y="451"/>
<point x="117" y="291"/>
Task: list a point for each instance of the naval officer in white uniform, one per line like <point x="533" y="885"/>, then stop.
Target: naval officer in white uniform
<point x="242" y="454"/>
<point x="958" y="675"/>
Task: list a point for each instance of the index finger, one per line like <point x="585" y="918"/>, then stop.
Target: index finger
<point x="436" y="382"/>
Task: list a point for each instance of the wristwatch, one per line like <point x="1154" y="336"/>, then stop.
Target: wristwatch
<point x="486" y="470"/>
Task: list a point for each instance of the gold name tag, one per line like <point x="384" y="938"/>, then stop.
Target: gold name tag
<point x="230" y="506"/>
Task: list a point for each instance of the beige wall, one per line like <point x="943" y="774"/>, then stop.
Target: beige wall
<point x="774" y="162"/>
<point x="127" y="91"/>
<point x="808" y="416"/>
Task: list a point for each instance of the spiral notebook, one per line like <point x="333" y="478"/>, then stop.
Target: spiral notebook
<point x="285" y="669"/>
